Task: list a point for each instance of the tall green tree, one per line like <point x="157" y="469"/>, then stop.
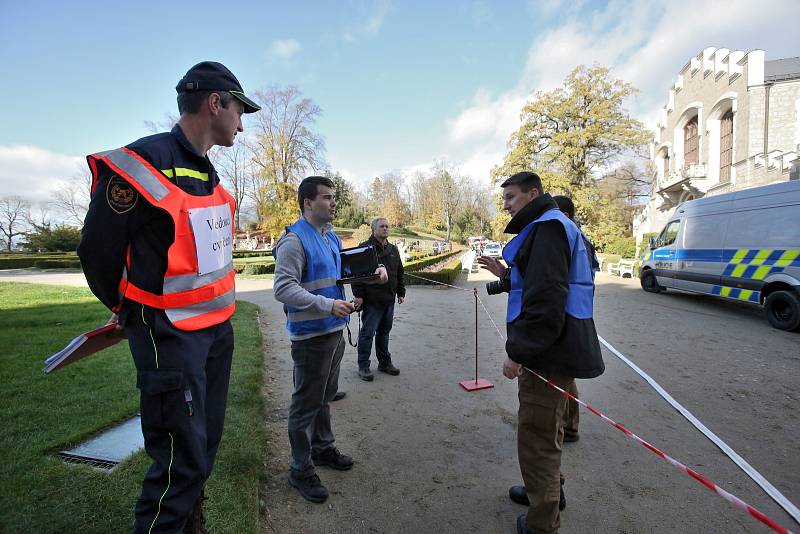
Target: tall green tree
<point x="570" y="134"/>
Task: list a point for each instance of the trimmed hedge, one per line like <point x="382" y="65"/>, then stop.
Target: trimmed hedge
<point x="446" y="275"/>
<point x="57" y="264"/>
<point x="254" y="268"/>
<point x="41" y="261"/>
<point x="425" y="262"/>
<point x="252" y="253"/>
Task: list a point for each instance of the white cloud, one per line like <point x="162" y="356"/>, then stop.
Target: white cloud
<point x="285" y="48"/>
<point x="371" y="26"/>
<point x="32" y="172"/>
<point x="375" y="21"/>
<point x="644" y="42"/>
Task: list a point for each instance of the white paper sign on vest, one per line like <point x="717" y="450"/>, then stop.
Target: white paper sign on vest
<point x="212" y="237"/>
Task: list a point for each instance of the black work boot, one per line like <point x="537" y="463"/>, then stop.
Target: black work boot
<point x="388" y="368"/>
<point x="332" y="458"/>
<point x="520" y="496"/>
<point x="365" y="374"/>
<point x="310" y="488"/>
<point x="196" y="524"/>
<point x="339" y="395"/>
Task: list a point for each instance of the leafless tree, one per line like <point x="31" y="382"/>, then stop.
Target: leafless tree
<point x="163" y="125"/>
<point x="235" y="167"/>
<point x="448" y="188"/>
<point x="13" y="214"/>
<point x="285" y="141"/>
<point x="71" y="199"/>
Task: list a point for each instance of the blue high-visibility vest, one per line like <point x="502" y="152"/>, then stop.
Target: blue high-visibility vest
<point x="581" y="283"/>
<point x="323" y="267"/>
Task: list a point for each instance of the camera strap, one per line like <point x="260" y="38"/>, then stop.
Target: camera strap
<point x="350" y="334"/>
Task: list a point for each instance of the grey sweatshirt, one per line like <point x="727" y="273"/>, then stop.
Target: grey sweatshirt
<point x="290" y="260"/>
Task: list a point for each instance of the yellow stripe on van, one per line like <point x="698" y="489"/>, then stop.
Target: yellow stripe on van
<point x="739" y="256"/>
<point x="745" y="294"/>
<point x="761" y="272"/>
<point x="725" y="291"/>
<point x="787" y="257"/>
<point x="739" y="270"/>
<point x="761" y="256"/>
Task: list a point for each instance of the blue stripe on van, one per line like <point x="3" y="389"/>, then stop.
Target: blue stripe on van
<point x="751" y="254"/>
<point x="734" y="294"/>
<point x="775" y="256"/>
<point x="716" y="290"/>
<point x="702" y="254"/>
<point x="750" y="271"/>
<point x="728" y="269"/>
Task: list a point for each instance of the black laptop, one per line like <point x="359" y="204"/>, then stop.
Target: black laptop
<point x="358" y="265"/>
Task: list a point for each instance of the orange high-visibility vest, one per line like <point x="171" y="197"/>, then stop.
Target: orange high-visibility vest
<point x="198" y="289"/>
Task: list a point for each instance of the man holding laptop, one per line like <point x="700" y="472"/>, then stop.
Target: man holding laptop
<point x="308" y="272"/>
<point x="378" y="304"/>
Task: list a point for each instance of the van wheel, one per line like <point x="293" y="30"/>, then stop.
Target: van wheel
<point x="649" y="282"/>
<point x="783" y="310"/>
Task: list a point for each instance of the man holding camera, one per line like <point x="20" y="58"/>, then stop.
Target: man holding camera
<point x="550" y="330"/>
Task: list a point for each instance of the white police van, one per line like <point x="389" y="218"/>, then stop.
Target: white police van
<point x="742" y="246"/>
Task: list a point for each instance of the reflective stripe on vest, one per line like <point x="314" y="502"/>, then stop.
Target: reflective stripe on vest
<point x="581" y="284"/>
<point x="191" y="301"/>
<point x="131" y="165"/>
<point x="323" y="265"/>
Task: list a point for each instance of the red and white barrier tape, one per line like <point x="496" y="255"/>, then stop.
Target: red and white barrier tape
<point x="738" y="503"/>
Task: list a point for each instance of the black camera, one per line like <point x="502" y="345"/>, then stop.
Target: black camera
<point x="495" y="288"/>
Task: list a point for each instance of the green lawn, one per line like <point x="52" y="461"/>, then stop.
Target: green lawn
<point x="40" y="415"/>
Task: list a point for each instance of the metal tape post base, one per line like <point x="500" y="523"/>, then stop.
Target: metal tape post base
<point x="478" y="383"/>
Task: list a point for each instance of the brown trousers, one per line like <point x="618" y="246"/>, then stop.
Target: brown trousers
<point x="572" y="415"/>
<point x="539" y="439"/>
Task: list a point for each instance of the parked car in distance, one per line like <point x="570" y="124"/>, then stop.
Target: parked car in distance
<point x="493" y="250"/>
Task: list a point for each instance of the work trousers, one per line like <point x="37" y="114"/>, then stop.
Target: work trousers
<point x="183" y="381"/>
<point x="539" y="439"/>
<point x="572" y="414"/>
<point x="316" y="381"/>
<point x="376" y="322"/>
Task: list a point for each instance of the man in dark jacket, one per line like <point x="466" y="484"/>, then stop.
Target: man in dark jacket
<point x="377" y="304"/>
<point x="550" y="331"/>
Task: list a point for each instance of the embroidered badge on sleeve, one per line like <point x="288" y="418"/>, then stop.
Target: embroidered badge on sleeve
<point x="121" y="195"/>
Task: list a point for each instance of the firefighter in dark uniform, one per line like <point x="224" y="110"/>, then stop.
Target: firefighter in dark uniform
<point x="156" y="249"/>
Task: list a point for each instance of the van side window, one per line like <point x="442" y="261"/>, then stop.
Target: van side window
<point x="669" y="234"/>
<point x="705" y="231"/>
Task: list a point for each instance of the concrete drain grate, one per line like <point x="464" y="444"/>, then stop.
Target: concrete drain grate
<point x="105" y="451"/>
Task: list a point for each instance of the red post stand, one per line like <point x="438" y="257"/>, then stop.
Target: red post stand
<point x="478" y="383"/>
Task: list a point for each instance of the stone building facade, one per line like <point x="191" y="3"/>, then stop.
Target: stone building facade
<point x="732" y="121"/>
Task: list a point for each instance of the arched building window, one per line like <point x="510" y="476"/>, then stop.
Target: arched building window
<point x="690" y="142"/>
<point x="725" y="146"/>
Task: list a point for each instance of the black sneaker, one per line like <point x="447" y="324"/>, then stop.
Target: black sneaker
<point x="339" y="396"/>
<point x="310" y="488"/>
<point x="571" y="437"/>
<point x="365" y="375"/>
<point x="332" y="458"/>
<point x="520" y="496"/>
<point x="389" y="369"/>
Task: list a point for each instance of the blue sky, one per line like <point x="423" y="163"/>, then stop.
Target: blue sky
<point x="400" y="83"/>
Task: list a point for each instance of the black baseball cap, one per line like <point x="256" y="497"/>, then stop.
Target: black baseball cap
<point x="213" y="76"/>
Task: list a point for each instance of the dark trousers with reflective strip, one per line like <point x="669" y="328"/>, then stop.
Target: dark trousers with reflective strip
<point x="183" y="381"/>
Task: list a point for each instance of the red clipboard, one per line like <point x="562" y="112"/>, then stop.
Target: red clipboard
<point x="84" y="345"/>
